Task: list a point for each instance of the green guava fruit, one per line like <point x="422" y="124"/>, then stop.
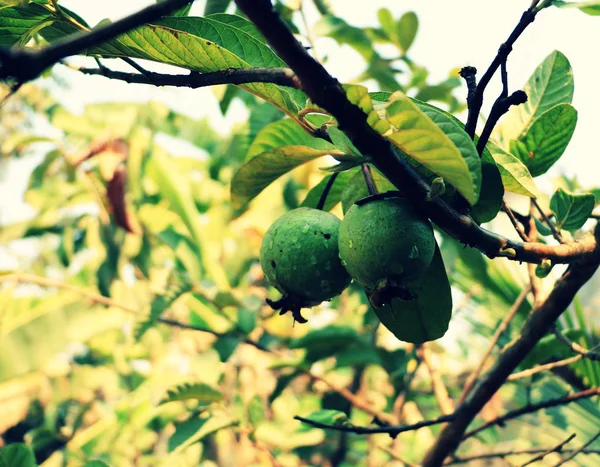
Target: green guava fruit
<point x="299" y="256"/>
<point x="385" y="240"/>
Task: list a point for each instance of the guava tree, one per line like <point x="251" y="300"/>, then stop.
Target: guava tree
<point x="170" y="272"/>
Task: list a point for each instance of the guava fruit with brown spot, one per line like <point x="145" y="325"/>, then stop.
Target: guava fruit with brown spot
<point x="300" y="258"/>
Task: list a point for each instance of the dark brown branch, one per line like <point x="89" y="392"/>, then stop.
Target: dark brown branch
<point x="193" y="80"/>
<point x="24" y="65"/>
<point x="469" y="74"/>
<point x="503" y="52"/>
<point x="537" y="325"/>
<point x="589" y="354"/>
<point x="534" y="408"/>
<point x="326" y="92"/>
<point x="500" y="107"/>
<point x="392" y="430"/>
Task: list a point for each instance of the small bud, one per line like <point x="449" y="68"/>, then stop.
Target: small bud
<point x="543" y="269"/>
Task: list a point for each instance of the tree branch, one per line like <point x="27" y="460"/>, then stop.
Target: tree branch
<point x="392" y="430"/>
<point x="493" y="342"/>
<point x="577" y="451"/>
<point x="514" y="452"/>
<point x="513" y="220"/>
<point x="280" y="76"/>
<point x="503" y="52"/>
<point x="531" y="408"/>
<point x="537" y="325"/>
<point x="326" y="92"/>
<point x="545" y="367"/>
<point x="24" y="65"/>
<point x="556" y="448"/>
<point x="589" y="354"/>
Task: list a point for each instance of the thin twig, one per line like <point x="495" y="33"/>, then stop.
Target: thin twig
<point x="366" y="170"/>
<point x="545" y="367"/>
<point x="532" y="233"/>
<point x="440" y="392"/>
<point x="577" y="451"/>
<point x="513" y="220"/>
<point x="589" y="354"/>
<point x="514" y="452"/>
<point x="469" y="74"/>
<point x="106" y="301"/>
<point x="556" y="448"/>
<point x="392" y="430"/>
<point x="280" y="76"/>
<point x="493" y="342"/>
<point x="531" y="408"/>
<point x="24" y="65"/>
<point x="326" y="190"/>
<point x="500" y="107"/>
<point x="396" y="456"/>
<point x="555" y="233"/>
<point x="503" y="52"/>
<point x="354" y="399"/>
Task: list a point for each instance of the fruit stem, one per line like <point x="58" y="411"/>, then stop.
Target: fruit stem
<point x="326" y="191"/>
<point x="369" y="179"/>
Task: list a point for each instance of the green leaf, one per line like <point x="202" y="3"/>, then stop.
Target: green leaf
<point x="256" y="410"/>
<point x="175" y="189"/>
<point x="259" y="172"/>
<point x="18" y="24"/>
<point x="342" y="142"/>
<point x="418" y="136"/>
<point x="246" y="320"/>
<point x="357" y="188"/>
<point x="546" y="139"/>
<point x="213" y="43"/>
<point x="284" y="133"/>
<point x="196" y="429"/>
<point x="17" y="455"/>
<point x="225" y="346"/>
<point x="550" y="84"/>
<point x="344" y="33"/>
<point x="427" y="317"/>
<point x="492" y="191"/>
<point x="591" y="8"/>
<point x="386" y="20"/>
<point x="96" y="464"/>
<point x="326" y="342"/>
<point x="335" y="193"/>
<point x="177" y="286"/>
<point x="330" y="417"/>
<point x="571" y="210"/>
<point x="406" y="30"/>
<point x="216" y="6"/>
<point x="515" y="175"/>
<point x="201" y="392"/>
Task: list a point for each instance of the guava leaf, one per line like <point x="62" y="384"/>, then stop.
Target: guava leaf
<point x="284" y="133"/>
<point x="17" y="454"/>
<point x="492" y="191"/>
<point x="406" y="30"/>
<point x="590" y="8"/>
<point x="571" y="210"/>
<point x="326" y="342"/>
<point x="457" y="134"/>
<point x="330" y="417"/>
<point x="342" y="142"/>
<point x="550" y="84"/>
<point x="515" y="175"/>
<point x="211" y="43"/>
<point x="546" y="139"/>
<point x="419" y="137"/>
<point x="335" y="193"/>
<point x="427" y="317"/>
<point x="200" y="392"/>
<point x="260" y="171"/>
<point x="17" y="24"/>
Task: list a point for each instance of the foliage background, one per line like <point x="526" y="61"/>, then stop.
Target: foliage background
<point x="83" y="369"/>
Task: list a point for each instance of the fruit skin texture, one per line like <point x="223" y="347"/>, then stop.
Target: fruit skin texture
<point x="385" y="239"/>
<point x="299" y="256"/>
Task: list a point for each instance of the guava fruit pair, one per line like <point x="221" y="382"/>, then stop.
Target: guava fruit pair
<point x="310" y="256"/>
